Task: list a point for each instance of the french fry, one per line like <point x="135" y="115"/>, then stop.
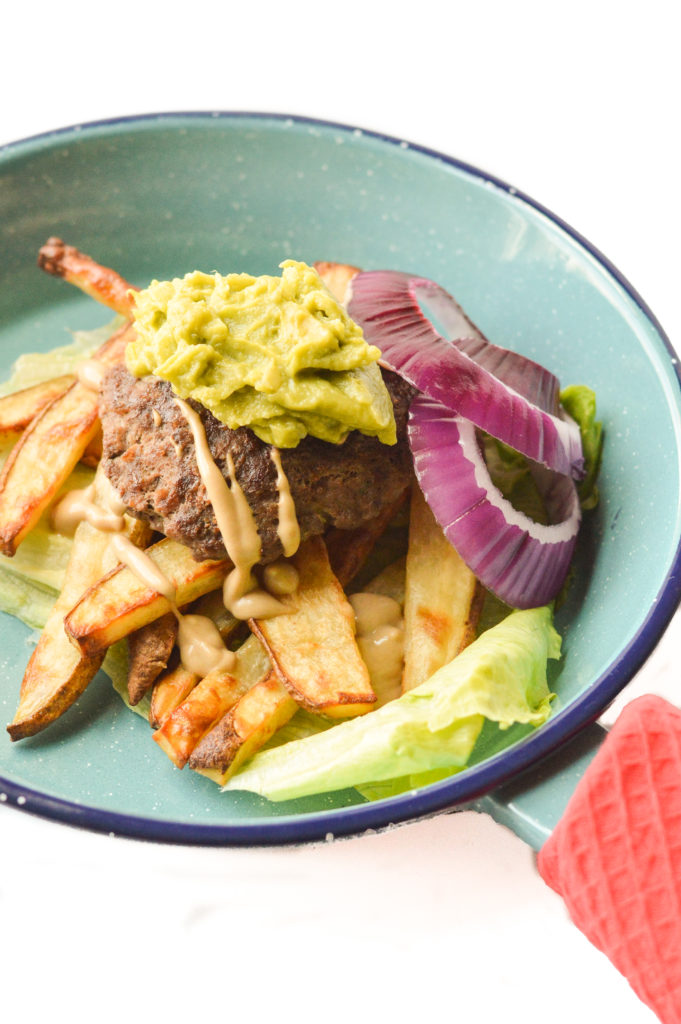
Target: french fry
<point x="185" y="726"/>
<point x="93" y="453"/>
<point x="244" y="730"/>
<point x="268" y="705"/>
<point x="348" y="550"/>
<point x="313" y="650"/>
<point x="58" y="672"/>
<point x="100" y="283"/>
<point x="120" y="602"/>
<point x="212" y="605"/>
<point x="174" y="686"/>
<point x="29" y="483"/>
<point x="20" y="408"/>
<point x="209" y="700"/>
<point x="336" y="277"/>
<point x="169" y="691"/>
<point x="149" y="649"/>
<point x="64" y="428"/>
<point x="390" y="582"/>
<point x="442" y="602"/>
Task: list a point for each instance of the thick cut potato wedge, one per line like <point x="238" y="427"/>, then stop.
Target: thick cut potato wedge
<point x="100" y="283"/>
<point x="348" y="550"/>
<point x="313" y="650"/>
<point x="93" y="453"/>
<point x="169" y="691"/>
<point x="442" y="602"/>
<point x="29" y="481"/>
<point x="20" y="408"/>
<point x="120" y="602"/>
<point x="336" y="277"/>
<point x="269" y="705"/>
<point x="390" y="582"/>
<point x="58" y="672"/>
<point x="243" y="730"/>
<point x="209" y="700"/>
<point x="149" y="649"/>
<point x="173" y="686"/>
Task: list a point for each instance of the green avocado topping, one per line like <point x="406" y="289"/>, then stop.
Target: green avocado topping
<point x="276" y="354"/>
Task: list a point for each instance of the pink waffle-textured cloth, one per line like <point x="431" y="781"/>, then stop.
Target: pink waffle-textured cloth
<point x="615" y="856"/>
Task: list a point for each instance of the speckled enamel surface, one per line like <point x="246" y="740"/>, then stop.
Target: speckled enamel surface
<point x="158" y="196"/>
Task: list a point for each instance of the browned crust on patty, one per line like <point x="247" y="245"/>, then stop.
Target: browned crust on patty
<point x="148" y="454"/>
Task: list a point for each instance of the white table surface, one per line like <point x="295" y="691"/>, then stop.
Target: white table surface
<point x="576" y="105"/>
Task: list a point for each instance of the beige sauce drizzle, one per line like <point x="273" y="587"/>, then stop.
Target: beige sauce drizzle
<point x="111" y="498"/>
<point x="242" y="597"/>
<point x="201" y="647"/>
<point x="288" y="529"/>
<point x="91" y="373"/>
<point x="77" y="506"/>
<point x="280" y="578"/>
<point x="143" y="566"/>
<point x="380" y="638"/>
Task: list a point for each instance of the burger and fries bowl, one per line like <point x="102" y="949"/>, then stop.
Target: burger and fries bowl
<point x="157" y="197"/>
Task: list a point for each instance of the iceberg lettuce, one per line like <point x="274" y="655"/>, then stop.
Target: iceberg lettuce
<point x="501" y="677"/>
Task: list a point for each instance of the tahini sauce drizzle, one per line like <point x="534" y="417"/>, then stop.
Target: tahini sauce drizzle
<point x="79" y="505"/>
<point x="241" y="594"/>
<point x="202" y="649"/>
<point x="288" y="529"/>
<point x="380" y="638"/>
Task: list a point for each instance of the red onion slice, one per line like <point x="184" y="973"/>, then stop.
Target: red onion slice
<point x="531" y="380"/>
<point x="523" y="562"/>
<point x="510" y="397"/>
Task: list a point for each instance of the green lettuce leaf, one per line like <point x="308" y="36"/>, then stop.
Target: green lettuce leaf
<point x="32" y="579"/>
<point x="25" y="599"/>
<point x="579" y="402"/>
<point x="501" y="678"/>
<point x="34" y="367"/>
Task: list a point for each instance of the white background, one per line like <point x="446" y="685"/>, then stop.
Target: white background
<point x="575" y="104"/>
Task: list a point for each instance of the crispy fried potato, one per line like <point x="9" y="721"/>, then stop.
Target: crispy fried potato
<point x="100" y="283"/>
<point x="20" y="408"/>
<point x="64" y="428"/>
<point x="169" y="691"/>
<point x="208" y="701"/>
<point x="390" y="582"/>
<point x="313" y="650"/>
<point x="212" y="605"/>
<point x="243" y="730"/>
<point x="58" y="672"/>
<point x="268" y="705"/>
<point x="149" y="649"/>
<point x="120" y="602"/>
<point x="172" y="688"/>
<point x="184" y="727"/>
<point x="93" y="453"/>
<point x="443" y="599"/>
<point x="29" y="482"/>
<point x="336" y="277"/>
<point x="348" y="550"/>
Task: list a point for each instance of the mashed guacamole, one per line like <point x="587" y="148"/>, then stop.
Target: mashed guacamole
<point x="276" y="354"/>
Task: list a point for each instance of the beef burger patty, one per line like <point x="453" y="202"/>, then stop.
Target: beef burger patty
<point x="149" y="457"/>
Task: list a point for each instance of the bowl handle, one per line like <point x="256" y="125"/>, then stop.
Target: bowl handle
<point x="612" y="850"/>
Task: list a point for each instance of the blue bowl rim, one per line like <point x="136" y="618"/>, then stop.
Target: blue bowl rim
<point x="451" y="794"/>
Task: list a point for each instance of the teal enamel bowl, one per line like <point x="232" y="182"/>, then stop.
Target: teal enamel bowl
<point x="158" y="195"/>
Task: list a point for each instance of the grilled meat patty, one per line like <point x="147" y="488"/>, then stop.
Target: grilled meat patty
<point x="148" y="455"/>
